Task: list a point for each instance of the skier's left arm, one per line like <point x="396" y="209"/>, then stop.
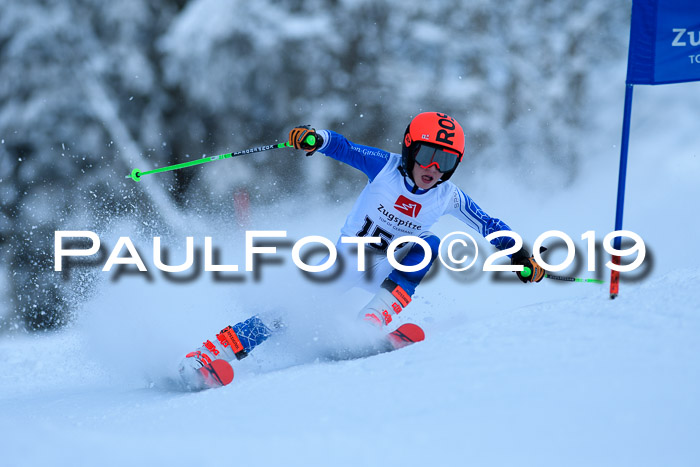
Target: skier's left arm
<point x="465" y="209"/>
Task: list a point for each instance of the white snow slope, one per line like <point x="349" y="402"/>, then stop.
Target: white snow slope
<point x="530" y="375"/>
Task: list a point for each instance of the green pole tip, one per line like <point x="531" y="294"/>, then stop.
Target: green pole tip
<point x="526" y="272"/>
<point x="135" y="175"/>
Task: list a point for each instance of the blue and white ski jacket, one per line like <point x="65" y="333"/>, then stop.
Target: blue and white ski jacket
<point x="389" y="208"/>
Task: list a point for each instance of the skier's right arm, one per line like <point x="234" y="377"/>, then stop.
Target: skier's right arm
<point x="367" y="159"/>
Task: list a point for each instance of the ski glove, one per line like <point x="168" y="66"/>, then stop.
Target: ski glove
<point x="532" y="272"/>
<point x="306" y="138"/>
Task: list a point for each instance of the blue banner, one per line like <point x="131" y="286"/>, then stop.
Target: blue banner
<point x="664" y="42"/>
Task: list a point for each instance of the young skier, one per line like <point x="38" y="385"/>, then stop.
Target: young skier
<point x="405" y="196"/>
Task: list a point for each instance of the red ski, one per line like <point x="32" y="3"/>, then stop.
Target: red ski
<point x="217" y="373"/>
<point x="406" y="334"/>
<point x="211" y="374"/>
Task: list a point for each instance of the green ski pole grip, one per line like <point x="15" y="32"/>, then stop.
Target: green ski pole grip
<point x="310" y="140"/>
<point x="526" y="271"/>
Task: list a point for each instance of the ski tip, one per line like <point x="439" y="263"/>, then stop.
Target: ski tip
<point x="217" y="373"/>
<point x="414" y="331"/>
<point x="406" y="334"/>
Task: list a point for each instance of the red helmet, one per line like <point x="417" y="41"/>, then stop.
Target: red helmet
<point x="433" y="138"/>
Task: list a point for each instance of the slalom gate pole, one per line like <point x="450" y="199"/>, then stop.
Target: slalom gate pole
<point x="136" y="174"/>
<point x="527" y="271"/>
<point x="622" y="176"/>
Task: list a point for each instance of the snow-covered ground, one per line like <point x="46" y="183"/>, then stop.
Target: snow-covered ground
<point x="582" y="381"/>
<point x="540" y="375"/>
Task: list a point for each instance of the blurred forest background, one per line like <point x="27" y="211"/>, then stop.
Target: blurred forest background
<point x="90" y="89"/>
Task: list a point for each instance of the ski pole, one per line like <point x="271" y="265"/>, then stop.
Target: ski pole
<point x="136" y="174"/>
<point x="527" y="271"/>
